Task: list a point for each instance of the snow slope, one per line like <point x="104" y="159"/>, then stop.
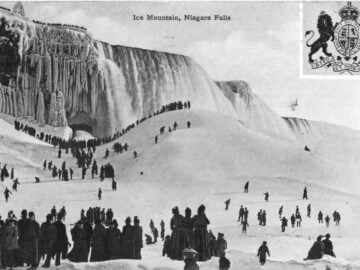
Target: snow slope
<point x="207" y="163"/>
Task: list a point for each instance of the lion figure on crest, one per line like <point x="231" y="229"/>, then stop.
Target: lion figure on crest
<point x="326" y="31"/>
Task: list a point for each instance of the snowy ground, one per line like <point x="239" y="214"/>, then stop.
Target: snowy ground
<point x="206" y="164"/>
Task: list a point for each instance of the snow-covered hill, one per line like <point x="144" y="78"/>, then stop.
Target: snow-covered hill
<point x="208" y="163"/>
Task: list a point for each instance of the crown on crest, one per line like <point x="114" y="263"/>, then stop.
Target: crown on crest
<point x="349" y="12"/>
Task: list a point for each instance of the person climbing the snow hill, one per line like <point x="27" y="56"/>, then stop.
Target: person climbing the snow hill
<point x="15" y="184"/>
<point x="135" y="154"/>
<point x="309" y="210"/>
<point x="227" y="202"/>
<point x="188" y="124"/>
<point x="162" y="229"/>
<point x="246" y="214"/>
<point x="7" y="193"/>
<point x="280" y="211"/>
<point x="246" y="187"/>
<point x="320" y="217"/>
<point x="266" y="196"/>
<point x="284" y="223"/>
<point x="244" y="224"/>
<point x="263" y="250"/>
<point x="156" y="139"/>
<point x="327" y="221"/>
<point x="298" y="220"/>
<point x="99" y="193"/>
<point x="175" y="126"/>
<point x="263" y="218"/>
<point x="241" y="214"/>
<point x="113" y="185"/>
<point x="305" y="196"/>
<point x="292" y="220"/>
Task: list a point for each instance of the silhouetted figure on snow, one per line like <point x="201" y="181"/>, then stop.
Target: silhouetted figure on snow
<point x="227" y="202"/>
<point x="241" y="214"/>
<point x="328" y="246"/>
<point x="284" y="223"/>
<point x="280" y="211"/>
<point x="307" y="148"/>
<point x="327" y="221"/>
<point x="262" y="251"/>
<point x="266" y="196"/>
<point x="317" y="250"/>
<point x="15" y="184"/>
<point x="308" y="210"/>
<point x="246" y="187"/>
<point x="305" y="196"/>
<point x="113" y="185"/>
<point x="320" y="217"/>
<point x="99" y="193"/>
<point x="7" y="193"/>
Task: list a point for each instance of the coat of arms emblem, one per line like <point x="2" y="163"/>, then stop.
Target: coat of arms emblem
<point x="345" y="36"/>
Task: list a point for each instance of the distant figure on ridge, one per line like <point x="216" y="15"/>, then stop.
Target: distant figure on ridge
<point x="246" y="187"/>
<point x="266" y="196"/>
<point x="305" y="196"/>
<point x="227" y="202"/>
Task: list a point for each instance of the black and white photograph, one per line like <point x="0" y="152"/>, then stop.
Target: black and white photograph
<point x="179" y="135"/>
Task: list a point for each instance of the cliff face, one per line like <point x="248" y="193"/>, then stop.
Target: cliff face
<point x="61" y="76"/>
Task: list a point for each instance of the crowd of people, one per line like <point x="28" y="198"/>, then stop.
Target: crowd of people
<point x="25" y="241"/>
<point x="92" y="143"/>
<point x="61" y="24"/>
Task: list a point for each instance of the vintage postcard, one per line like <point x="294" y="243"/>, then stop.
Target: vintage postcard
<point x="179" y="135"/>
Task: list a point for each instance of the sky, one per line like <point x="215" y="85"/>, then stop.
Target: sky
<point x="260" y="45"/>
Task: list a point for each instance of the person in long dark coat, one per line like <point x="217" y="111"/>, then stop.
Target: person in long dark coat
<point x="47" y="239"/>
<point x="113" y="241"/>
<point x="31" y="241"/>
<point x="23" y="226"/>
<point x="138" y="240"/>
<point x="263" y="250"/>
<point x="10" y="243"/>
<point x="128" y="243"/>
<point x="162" y="230"/>
<point x="79" y="252"/>
<point x="328" y="246"/>
<point x="98" y="243"/>
<point x="305" y="196"/>
<point x="61" y="243"/>
<point x="188" y="224"/>
<point x="201" y="239"/>
<point x="317" y="250"/>
<point x="178" y="235"/>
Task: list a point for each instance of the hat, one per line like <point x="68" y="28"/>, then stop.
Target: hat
<point x="220" y="235"/>
<point x="327" y="235"/>
<point x="189" y="250"/>
<point x="319" y="237"/>
<point x="128" y="220"/>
